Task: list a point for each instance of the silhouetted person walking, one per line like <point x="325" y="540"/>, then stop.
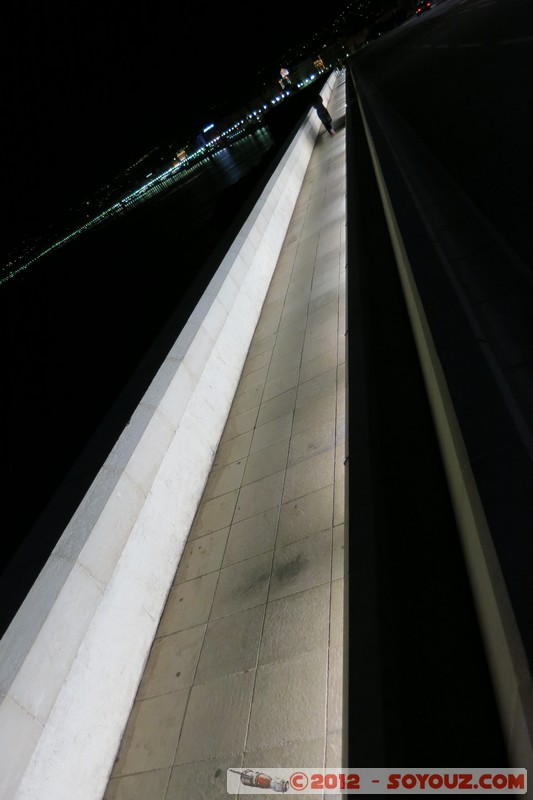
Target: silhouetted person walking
<point x="324" y="115"/>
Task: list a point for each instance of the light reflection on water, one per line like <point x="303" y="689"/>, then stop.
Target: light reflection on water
<point x="235" y="161"/>
<point x="202" y="180"/>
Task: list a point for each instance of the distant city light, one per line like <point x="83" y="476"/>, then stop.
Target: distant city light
<point x="155" y="182"/>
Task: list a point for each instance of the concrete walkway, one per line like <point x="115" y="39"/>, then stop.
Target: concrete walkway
<point x="246" y="666"/>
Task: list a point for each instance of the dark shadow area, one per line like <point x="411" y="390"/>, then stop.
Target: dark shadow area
<point x="419" y="688"/>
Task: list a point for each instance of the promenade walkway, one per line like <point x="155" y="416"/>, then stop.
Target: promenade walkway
<point x="246" y="666"/>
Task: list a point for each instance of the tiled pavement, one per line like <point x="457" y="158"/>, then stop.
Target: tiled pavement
<point x="246" y="666"/>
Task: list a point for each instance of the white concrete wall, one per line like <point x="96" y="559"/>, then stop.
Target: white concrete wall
<point x="71" y="661"/>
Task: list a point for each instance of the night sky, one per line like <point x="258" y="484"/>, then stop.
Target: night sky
<point x="89" y="87"/>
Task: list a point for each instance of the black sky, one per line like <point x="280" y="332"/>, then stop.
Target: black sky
<point x="88" y="87"/>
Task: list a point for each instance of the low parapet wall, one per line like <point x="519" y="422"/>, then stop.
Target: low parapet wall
<point x="73" y="657"/>
<point x="468" y="354"/>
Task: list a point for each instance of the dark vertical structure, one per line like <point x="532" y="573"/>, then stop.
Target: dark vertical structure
<point x="417" y="683"/>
